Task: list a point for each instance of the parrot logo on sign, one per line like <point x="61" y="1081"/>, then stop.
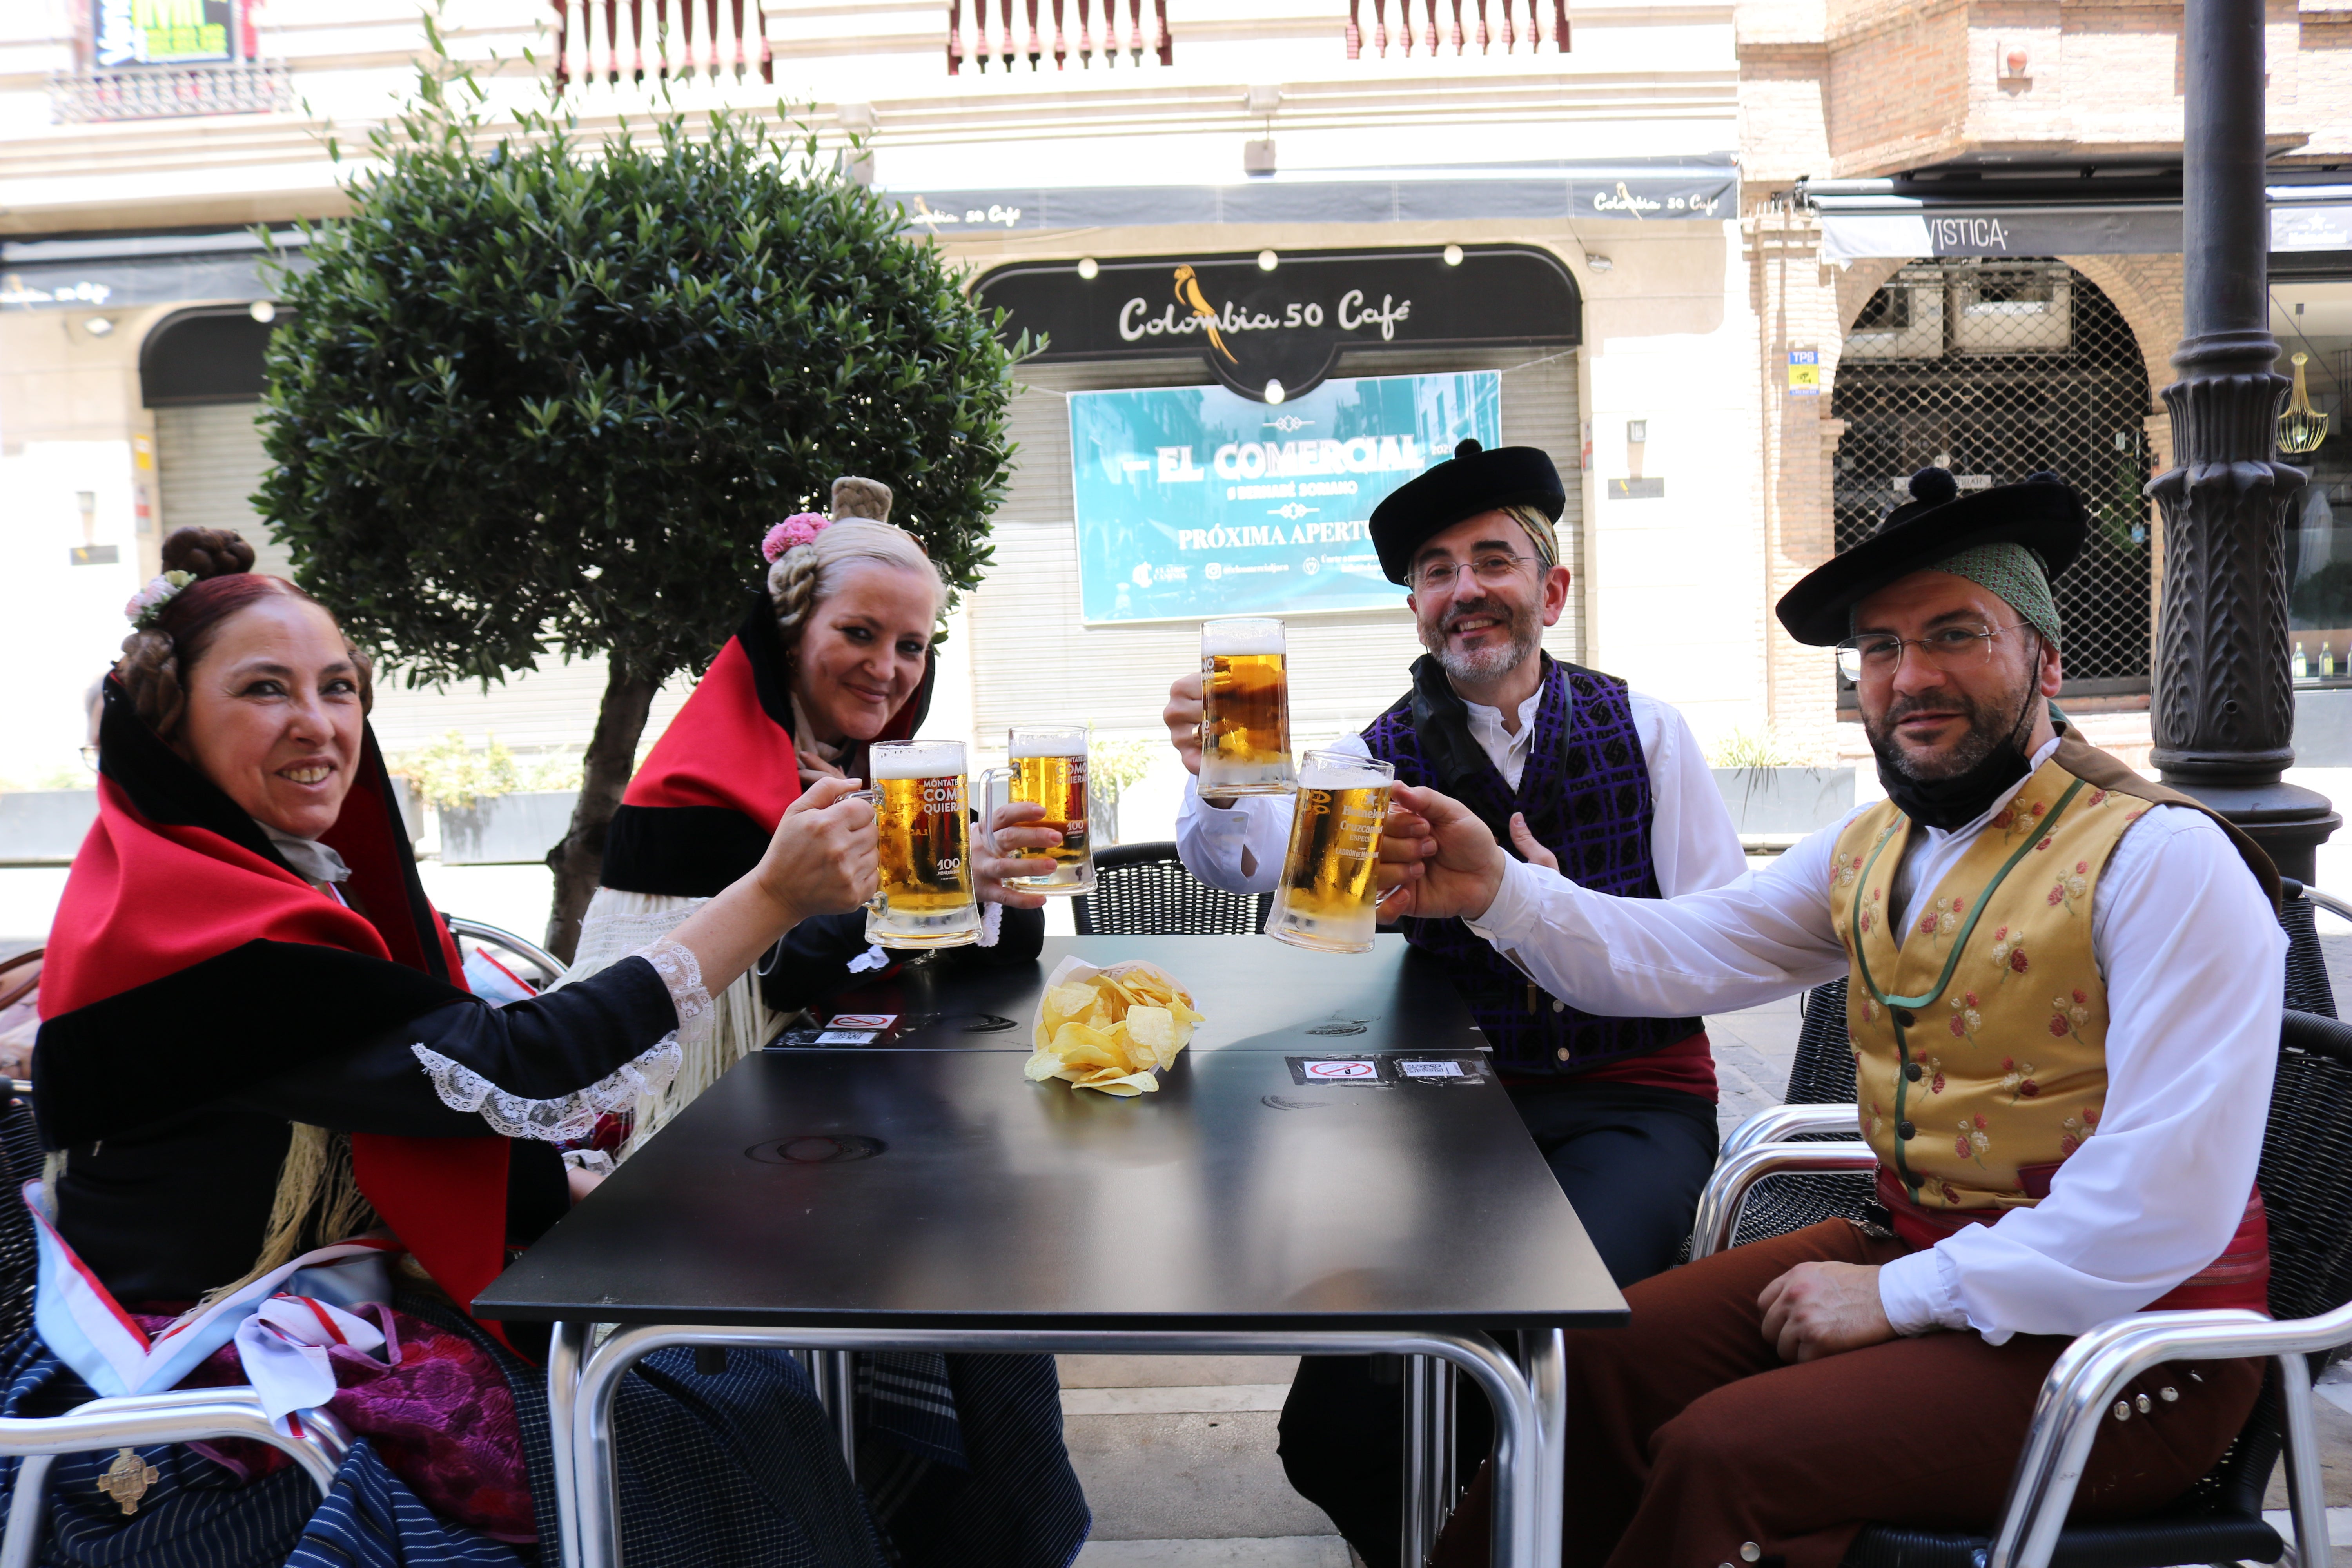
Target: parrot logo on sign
<point x="1188" y="295"/>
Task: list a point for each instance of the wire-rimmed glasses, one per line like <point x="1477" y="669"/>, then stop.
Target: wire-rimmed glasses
<point x="1491" y="568"/>
<point x="1877" y="655"/>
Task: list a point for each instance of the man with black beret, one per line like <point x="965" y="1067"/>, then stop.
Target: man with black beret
<point x="2063" y="994"/>
<point x="1573" y="771"/>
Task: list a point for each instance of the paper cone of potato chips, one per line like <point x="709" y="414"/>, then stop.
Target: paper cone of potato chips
<point x="1111" y="1028"/>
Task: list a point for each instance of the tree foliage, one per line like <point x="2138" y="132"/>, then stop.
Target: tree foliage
<point x="537" y="395"/>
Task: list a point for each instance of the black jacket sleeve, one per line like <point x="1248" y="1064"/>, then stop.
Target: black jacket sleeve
<point x="811" y="964"/>
<point x="542" y="1049"/>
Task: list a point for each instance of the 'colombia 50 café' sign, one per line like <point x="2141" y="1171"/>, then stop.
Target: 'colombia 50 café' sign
<point x="1194" y="500"/>
<point x="1271" y="326"/>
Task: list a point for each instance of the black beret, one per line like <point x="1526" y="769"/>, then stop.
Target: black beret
<point x="2042" y="513"/>
<point x="1473" y="480"/>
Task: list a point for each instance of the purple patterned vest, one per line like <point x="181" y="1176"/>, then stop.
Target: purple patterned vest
<point x="1586" y="796"/>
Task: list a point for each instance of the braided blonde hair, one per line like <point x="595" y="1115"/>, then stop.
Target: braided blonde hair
<point x="807" y="575"/>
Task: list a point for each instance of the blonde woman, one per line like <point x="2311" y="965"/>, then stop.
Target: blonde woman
<point x="834" y="655"/>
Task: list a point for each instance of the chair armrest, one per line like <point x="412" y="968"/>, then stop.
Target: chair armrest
<point x="2083" y="1385"/>
<point x="1718" y="1220"/>
<point x="180" y="1415"/>
<point x="1783" y="1122"/>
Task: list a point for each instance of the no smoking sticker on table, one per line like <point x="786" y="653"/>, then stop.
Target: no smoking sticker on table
<point x="1350" y="1069"/>
<point x="1387" y="1069"/>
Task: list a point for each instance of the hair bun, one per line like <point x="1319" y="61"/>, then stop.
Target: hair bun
<point x="207" y="553"/>
<point x="855" y="497"/>
<point x="1934" y="486"/>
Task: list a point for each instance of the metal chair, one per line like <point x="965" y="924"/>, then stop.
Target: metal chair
<point x="180" y="1415"/>
<point x="2306" y="1181"/>
<point x="15" y="991"/>
<point x="1143" y="889"/>
<point x="534" y="964"/>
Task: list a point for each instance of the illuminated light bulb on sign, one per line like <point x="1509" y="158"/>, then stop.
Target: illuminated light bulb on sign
<point x="1089" y="269"/>
<point x="1267" y="261"/>
<point x="1453" y="255"/>
<point x="262" y="311"/>
<point x="1273" y="392"/>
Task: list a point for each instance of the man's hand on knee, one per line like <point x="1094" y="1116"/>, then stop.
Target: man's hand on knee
<point x="1820" y="1309"/>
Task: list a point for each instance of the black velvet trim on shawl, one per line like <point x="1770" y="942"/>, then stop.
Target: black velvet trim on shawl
<point x="685" y="851"/>
<point x="166" y="789"/>
<point x="213" y="1028"/>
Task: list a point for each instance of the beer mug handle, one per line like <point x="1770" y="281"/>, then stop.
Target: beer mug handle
<point x="989" y="803"/>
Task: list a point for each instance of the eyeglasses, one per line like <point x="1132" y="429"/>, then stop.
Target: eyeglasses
<point x="89" y="758"/>
<point x="1877" y="655"/>
<point x="1491" y="570"/>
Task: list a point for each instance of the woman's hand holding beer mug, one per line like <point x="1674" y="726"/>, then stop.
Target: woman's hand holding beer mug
<point x="822" y="859"/>
<point x="1437" y="859"/>
<point x="1017" y="846"/>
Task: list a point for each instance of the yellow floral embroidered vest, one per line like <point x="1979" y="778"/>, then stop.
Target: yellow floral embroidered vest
<point x="1980" y="1040"/>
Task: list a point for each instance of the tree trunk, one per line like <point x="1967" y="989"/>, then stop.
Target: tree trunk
<point x="579" y="858"/>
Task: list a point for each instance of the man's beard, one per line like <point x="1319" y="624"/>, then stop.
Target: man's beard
<point x="1476" y="667"/>
<point x="1990" y="722"/>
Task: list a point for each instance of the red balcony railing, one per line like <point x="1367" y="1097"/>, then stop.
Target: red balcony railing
<point x="1514" y="25"/>
<point x="611" y="44"/>
<point x="1098" y="32"/>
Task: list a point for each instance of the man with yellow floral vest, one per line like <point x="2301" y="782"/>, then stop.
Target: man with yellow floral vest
<point x="2065" y="985"/>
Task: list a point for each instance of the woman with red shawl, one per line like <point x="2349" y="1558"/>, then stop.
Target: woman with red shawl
<point x="257" y="1041"/>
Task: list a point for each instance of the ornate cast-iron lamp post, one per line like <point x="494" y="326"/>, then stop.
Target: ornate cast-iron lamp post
<point x="2224" y="711"/>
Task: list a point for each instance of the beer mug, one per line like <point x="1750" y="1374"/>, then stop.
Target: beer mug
<point x="1048" y="767"/>
<point x="1331" y="885"/>
<point x="924" y="899"/>
<point x="1246" y="711"/>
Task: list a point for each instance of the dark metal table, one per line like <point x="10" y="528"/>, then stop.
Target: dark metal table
<point x="935" y="1199"/>
<point x="1259" y="996"/>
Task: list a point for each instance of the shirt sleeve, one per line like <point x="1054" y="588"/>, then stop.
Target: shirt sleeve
<point x="1211" y="839"/>
<point x="1692" y="844"/>
<point x="1753" y="940"/>
<point x="2193" y="960"/>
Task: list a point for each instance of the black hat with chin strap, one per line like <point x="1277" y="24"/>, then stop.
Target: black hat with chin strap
<point x="1473" y="480"/>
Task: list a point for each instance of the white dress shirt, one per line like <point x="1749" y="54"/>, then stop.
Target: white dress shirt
<point x="2193" y="961"/>
<point x="1692" y="842"/>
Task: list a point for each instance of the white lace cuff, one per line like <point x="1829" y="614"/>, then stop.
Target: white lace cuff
<point x="574" y="1115"/>
<point x="992" y="917"/>
<point x="679" y="971"/>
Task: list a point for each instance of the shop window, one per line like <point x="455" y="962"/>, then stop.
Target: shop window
<point x="2319" y="519"/>
<point x="1996" y="369"/>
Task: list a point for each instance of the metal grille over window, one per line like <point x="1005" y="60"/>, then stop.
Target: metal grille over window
<point x="1996" y="369"/>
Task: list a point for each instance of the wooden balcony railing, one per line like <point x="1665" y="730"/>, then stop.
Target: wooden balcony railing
<point x="1051" y="37"/>
<point x="1519" y="22"/>
<point x="625" y="47"/>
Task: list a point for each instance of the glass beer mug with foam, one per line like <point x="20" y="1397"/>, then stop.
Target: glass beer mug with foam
<point x="1046" y="765"/>
<point x="926" y="898"/>
<point x="1244" y="711"/>
<point x="1331" y="885"/>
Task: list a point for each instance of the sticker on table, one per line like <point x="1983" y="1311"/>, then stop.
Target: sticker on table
<point x="1334" y="1070"/>
<point x="862" y="1020"/>
<point x="822" y="1039"/>
<point x="1437" y="1070"/>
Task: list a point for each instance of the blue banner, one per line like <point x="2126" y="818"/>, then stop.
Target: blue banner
<point x="1194" y="501"/>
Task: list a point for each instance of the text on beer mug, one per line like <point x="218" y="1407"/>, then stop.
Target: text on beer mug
<point x="1330" y="884"/>
<point x="1048" y="767"/>
<point x="1244" y="711"/>
<point x="924" y="899"/>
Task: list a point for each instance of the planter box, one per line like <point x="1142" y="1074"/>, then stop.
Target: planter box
<point x="1783" y="804"/>
<point x="508" y="830"/>
<point x="45" y="827"/>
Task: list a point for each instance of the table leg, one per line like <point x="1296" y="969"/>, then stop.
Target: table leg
<point x="1545" y="1355"/>
<point x="1420" y="1530"/>
<point x="1521" y="1420"/>
<point x="836" y="1390"/>
<point x="564" y="1347"/>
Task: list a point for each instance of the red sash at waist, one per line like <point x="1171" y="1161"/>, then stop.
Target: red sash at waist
<point x="2240" y="1277"/>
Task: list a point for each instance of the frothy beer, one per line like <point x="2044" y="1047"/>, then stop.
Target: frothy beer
<point x="1329" y="877"/>
<point x="924" y="899"/>
<point x="1245" y="717"/>
<point x="1049" y="769"/>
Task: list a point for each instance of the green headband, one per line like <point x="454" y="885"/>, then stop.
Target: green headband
<point x="2014" y="573"/>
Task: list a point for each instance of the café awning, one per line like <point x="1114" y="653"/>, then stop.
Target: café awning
<point x="1890" y="219"/>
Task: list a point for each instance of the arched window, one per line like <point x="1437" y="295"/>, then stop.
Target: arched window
<point x="1997" y="369"/>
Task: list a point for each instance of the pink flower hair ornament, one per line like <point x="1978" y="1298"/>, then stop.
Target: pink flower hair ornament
<point x="801" y="528"/>
<point x="148" y="603"/>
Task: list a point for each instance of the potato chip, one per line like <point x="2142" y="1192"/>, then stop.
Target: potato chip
<point x="1110" y="1029"/>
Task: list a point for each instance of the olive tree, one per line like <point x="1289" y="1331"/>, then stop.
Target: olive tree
<point x="541" y="398"/>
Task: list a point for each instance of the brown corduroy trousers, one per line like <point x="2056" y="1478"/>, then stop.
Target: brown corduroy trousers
<point x="1689" y="1438"/>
